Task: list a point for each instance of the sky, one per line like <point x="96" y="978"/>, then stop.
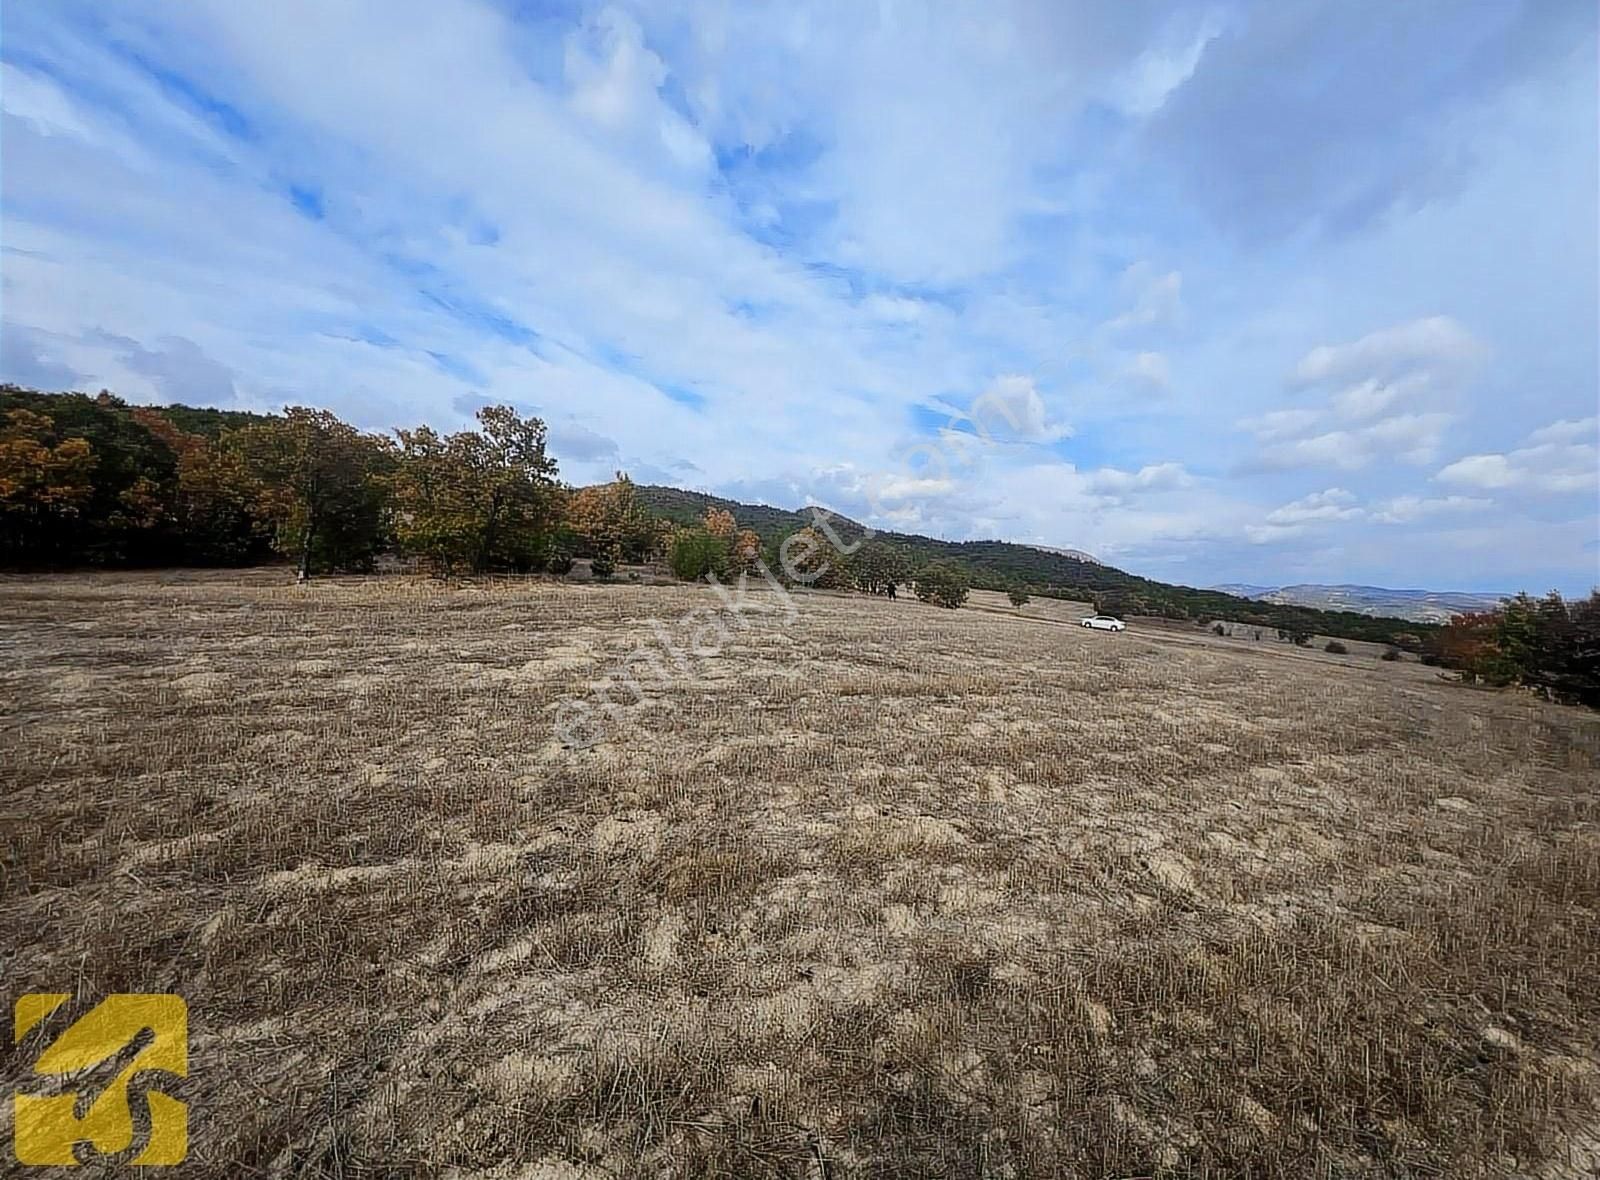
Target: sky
<point x="1237" y="292"/>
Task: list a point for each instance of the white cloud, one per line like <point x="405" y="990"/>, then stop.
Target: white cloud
<point x="1330" y="504"/>
<point x="1144" y="87"/>
<point x="1011" y="408"/>
<point x="1548" y="468"/>
<point x="1568" y="430"/>
<point x="1409" y="509"/>
<point x="1280" y="424"/>
<point x="1298" y="517"/>
<point x="614" y="82"/>
<point x="1150" y="369"/>
<point x="1385" y="399"/>
<point x="1410" y="438"/>
<point x="1118" y="484"/>
<point x="1157" y="299"/>
<point x="1434" y="344"/>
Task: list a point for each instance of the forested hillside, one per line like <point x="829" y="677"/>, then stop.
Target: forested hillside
<point x="1003" y="565"/>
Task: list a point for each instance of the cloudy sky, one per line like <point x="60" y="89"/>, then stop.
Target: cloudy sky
<point x="1276" y="292"/>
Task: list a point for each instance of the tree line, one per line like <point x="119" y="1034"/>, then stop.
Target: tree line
<point x="1549" y="645"/>
<point x="92" y="480"/>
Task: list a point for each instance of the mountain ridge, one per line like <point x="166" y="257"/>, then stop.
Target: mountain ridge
<point x="1001" y="565"/>
<point x="1421" y="606"/>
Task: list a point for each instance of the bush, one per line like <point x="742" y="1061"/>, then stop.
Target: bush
<point x="1219" y="629"/>
<point x="696" y="553"/>
<point x="560" y="562"/>
<point x="1018" y="596"/>
<point x="1334" y="647"/>
<point x="1391" y="654"/>
<point x="603" y="565"/>
<point x="943" y="584"/>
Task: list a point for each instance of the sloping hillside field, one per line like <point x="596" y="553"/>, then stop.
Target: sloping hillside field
<point x="879" y="890"/>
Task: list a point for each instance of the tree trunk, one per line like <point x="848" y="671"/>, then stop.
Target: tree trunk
<point x="486" y="546"/>
<point x="304" y="575"/>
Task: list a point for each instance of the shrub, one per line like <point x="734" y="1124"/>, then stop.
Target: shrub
<point x="1391" y="654"/>
<point x="603" y="565"/>
<point x="696" y="553"/>
<point x="1018" y="596"/>
<point x="560" y="562"/>
<point x="1334" y="647"/>
<point x="1219" y="629"/>
<point x="943" y="584"/>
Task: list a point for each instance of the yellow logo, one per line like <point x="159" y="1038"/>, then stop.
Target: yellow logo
<point x="49" y="1126"/>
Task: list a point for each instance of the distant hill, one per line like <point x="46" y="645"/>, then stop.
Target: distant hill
<point x="1061" y="573"/>
<point x="1420" y="606"/>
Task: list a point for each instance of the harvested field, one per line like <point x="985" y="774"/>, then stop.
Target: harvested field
<point x="883" y="890"/>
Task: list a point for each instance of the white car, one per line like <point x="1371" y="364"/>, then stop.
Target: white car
<point x="1104" y="623"/>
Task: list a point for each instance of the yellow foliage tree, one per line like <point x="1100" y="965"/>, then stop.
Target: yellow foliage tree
<point x="42" y="481"/>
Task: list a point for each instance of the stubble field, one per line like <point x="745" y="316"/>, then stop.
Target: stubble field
<point x="882" y="890"/>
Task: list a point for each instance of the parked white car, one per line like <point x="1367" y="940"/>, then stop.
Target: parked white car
<point x="1104" y="623"/>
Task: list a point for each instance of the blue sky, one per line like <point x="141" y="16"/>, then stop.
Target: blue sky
<point x="1270" y="292"/>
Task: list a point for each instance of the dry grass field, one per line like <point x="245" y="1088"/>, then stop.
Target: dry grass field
<point x="886" y="891"/>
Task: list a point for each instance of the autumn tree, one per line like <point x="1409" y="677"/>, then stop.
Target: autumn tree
<point x="744" y="551"/>
<point x="1470" y="644"/>
<point x="480" y="499"/>
<point x="510" y="486"/>
<point x="210" y="506"/>
<point x="43" y="481"/>
<point x="319" y="482"/>
<point x="608" y="518"/>
<point x="737" y="550"/>
<point x="432" y="517"/>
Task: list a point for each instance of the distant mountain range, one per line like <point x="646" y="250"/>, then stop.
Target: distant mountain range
<point x="1420" y="606"/>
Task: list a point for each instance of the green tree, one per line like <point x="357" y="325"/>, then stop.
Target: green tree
<point x="478" y="499"/>
<point x="877" y="565"/>
<point x="807" y="557"/>
<point x="510" y="488"/>
<point x="1018" y="596"/>
<point x="696" y="553"/>
<point x="432" y="501"/>
<point x="943" y="583"/>
<point x="1113" y="602"/>
<point x="319" y="482"/>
